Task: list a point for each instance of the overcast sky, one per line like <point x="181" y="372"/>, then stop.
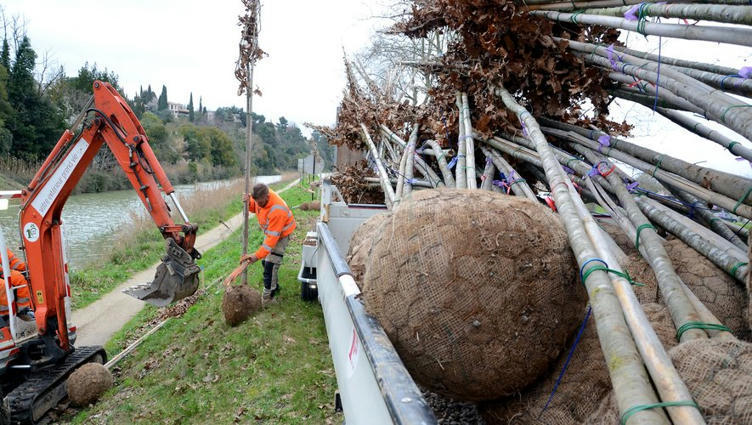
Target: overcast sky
<point x="192" y="46"/>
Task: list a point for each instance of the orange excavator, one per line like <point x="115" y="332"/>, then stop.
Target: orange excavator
<point x="37" y="355"/>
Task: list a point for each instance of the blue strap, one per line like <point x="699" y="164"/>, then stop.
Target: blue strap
<point x="566" y="362"/>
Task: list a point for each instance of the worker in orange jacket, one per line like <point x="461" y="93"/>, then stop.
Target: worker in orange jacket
<point x="277" y="222"/>
<point x="16" y="280"/>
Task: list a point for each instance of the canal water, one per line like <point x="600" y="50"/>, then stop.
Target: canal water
<point x="91" y="221"/>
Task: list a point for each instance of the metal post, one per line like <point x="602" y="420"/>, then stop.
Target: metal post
<point x="313" y="194"/>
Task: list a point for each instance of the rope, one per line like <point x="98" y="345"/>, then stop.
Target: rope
<point x="588" y="262"/>
<point x="723" y="115"/>
<point x="573" y="18"/>
<point x="741" y="228"/>
<point x="641" y="19"/>
<point x="724" y="79"/>
<point x="641" y="407"/>
<point x="520" y="180"/>
<point x="736" y="267"/>
<point x="595" y="170"/>
<point x="605" y="268"/>
<point x="700" y="325"/>
<point x="742" y="199"/>
<point x="658" y="164"/>
<point x="569" y="357"/>
<point x="640" y="229"/>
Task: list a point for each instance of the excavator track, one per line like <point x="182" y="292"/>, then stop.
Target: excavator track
<point x="29" y="402"/>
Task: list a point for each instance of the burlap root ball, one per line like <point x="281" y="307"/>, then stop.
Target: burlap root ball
<point x="239" y="303"/>
<point x="361" y="243"/>
<point x="477" y="291"/>
<point x="749" y="288"/>
<point x="618" y="235"/>
<point x="87" y="383"/>
<point x="718" y="374"/>
<point x="311" y="206"/>
<point x="584" y="384"/>
<point x="720" y="293"/>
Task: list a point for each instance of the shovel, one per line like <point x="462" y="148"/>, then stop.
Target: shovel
<point x="176" y="278"/>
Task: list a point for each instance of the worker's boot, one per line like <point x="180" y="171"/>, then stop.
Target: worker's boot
<point x="267" y="296"/>
<point x="271" y="273"/>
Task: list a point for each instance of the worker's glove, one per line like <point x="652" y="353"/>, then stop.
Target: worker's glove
<point x="248" y="258"/>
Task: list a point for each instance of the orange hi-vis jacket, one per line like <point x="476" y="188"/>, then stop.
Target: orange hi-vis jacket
<point x="276" y="221"/>
<point x="16" y="280"/>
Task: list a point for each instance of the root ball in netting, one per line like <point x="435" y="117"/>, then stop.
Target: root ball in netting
<point x="477" y="291"/>
<point x="718" y="374"/>
<point x="580" y="390"/>
<point x="88" y="383"/>
<point x="718" y="291"/>
<point x="239" y="303"/>
<point x="361" y="244"/>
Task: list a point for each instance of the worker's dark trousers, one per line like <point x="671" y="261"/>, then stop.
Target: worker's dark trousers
<point x="271" y="267"/>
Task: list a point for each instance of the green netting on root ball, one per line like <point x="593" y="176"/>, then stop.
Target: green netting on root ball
<point x="477" y="291"/>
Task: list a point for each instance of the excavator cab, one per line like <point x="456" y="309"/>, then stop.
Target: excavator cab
<point x="177" y="277"/>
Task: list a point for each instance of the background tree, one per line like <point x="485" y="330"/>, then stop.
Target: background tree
<point x="5" y="55"/>
<point x="191" y="113"/>
<point x="36" y="124"/>
<point x="162" y="102"/>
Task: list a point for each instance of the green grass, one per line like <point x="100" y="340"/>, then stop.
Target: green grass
<point x="142" y="250"/>
<point x="274" y="368"/>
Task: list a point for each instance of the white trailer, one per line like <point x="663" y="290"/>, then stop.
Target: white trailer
<point x="374" y="386"/>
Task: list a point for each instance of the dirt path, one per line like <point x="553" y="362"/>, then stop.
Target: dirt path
<point x="98" y="321"/>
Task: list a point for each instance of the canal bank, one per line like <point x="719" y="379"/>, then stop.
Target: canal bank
<point x="98" y="321"/>
<point x="94" y="222"/>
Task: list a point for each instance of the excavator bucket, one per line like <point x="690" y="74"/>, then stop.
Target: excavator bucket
<point x="176" y="278"/>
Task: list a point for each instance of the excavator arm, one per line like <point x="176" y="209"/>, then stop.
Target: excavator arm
<point x="114" y="124"/>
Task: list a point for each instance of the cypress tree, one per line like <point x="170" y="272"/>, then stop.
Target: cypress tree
<point x="191" y="114"/>
<point x="5" y="55"/>
<point x="162" y="101"/>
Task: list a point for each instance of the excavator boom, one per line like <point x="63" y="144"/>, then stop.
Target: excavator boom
<point x="36" y="375"/>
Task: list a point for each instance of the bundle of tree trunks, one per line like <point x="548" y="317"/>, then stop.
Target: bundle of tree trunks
<point x="514" y="97"/>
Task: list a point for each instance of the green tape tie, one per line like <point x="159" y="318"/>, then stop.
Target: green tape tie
<point x="642" y="13"/>
<point x="631" y="411"/>
<point x="516" y="181"/>
<point x="741" y="200"/>
<point x="640" y="229"/>
<point x="731" y="146"/>
<point x="624" y="274"/>
<point x="699" y="325"/>
<point x="573" y="18"/>
<point x="736" y="267"/>
<point x="657" y="165"/>
<point x="723" y="115"/>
